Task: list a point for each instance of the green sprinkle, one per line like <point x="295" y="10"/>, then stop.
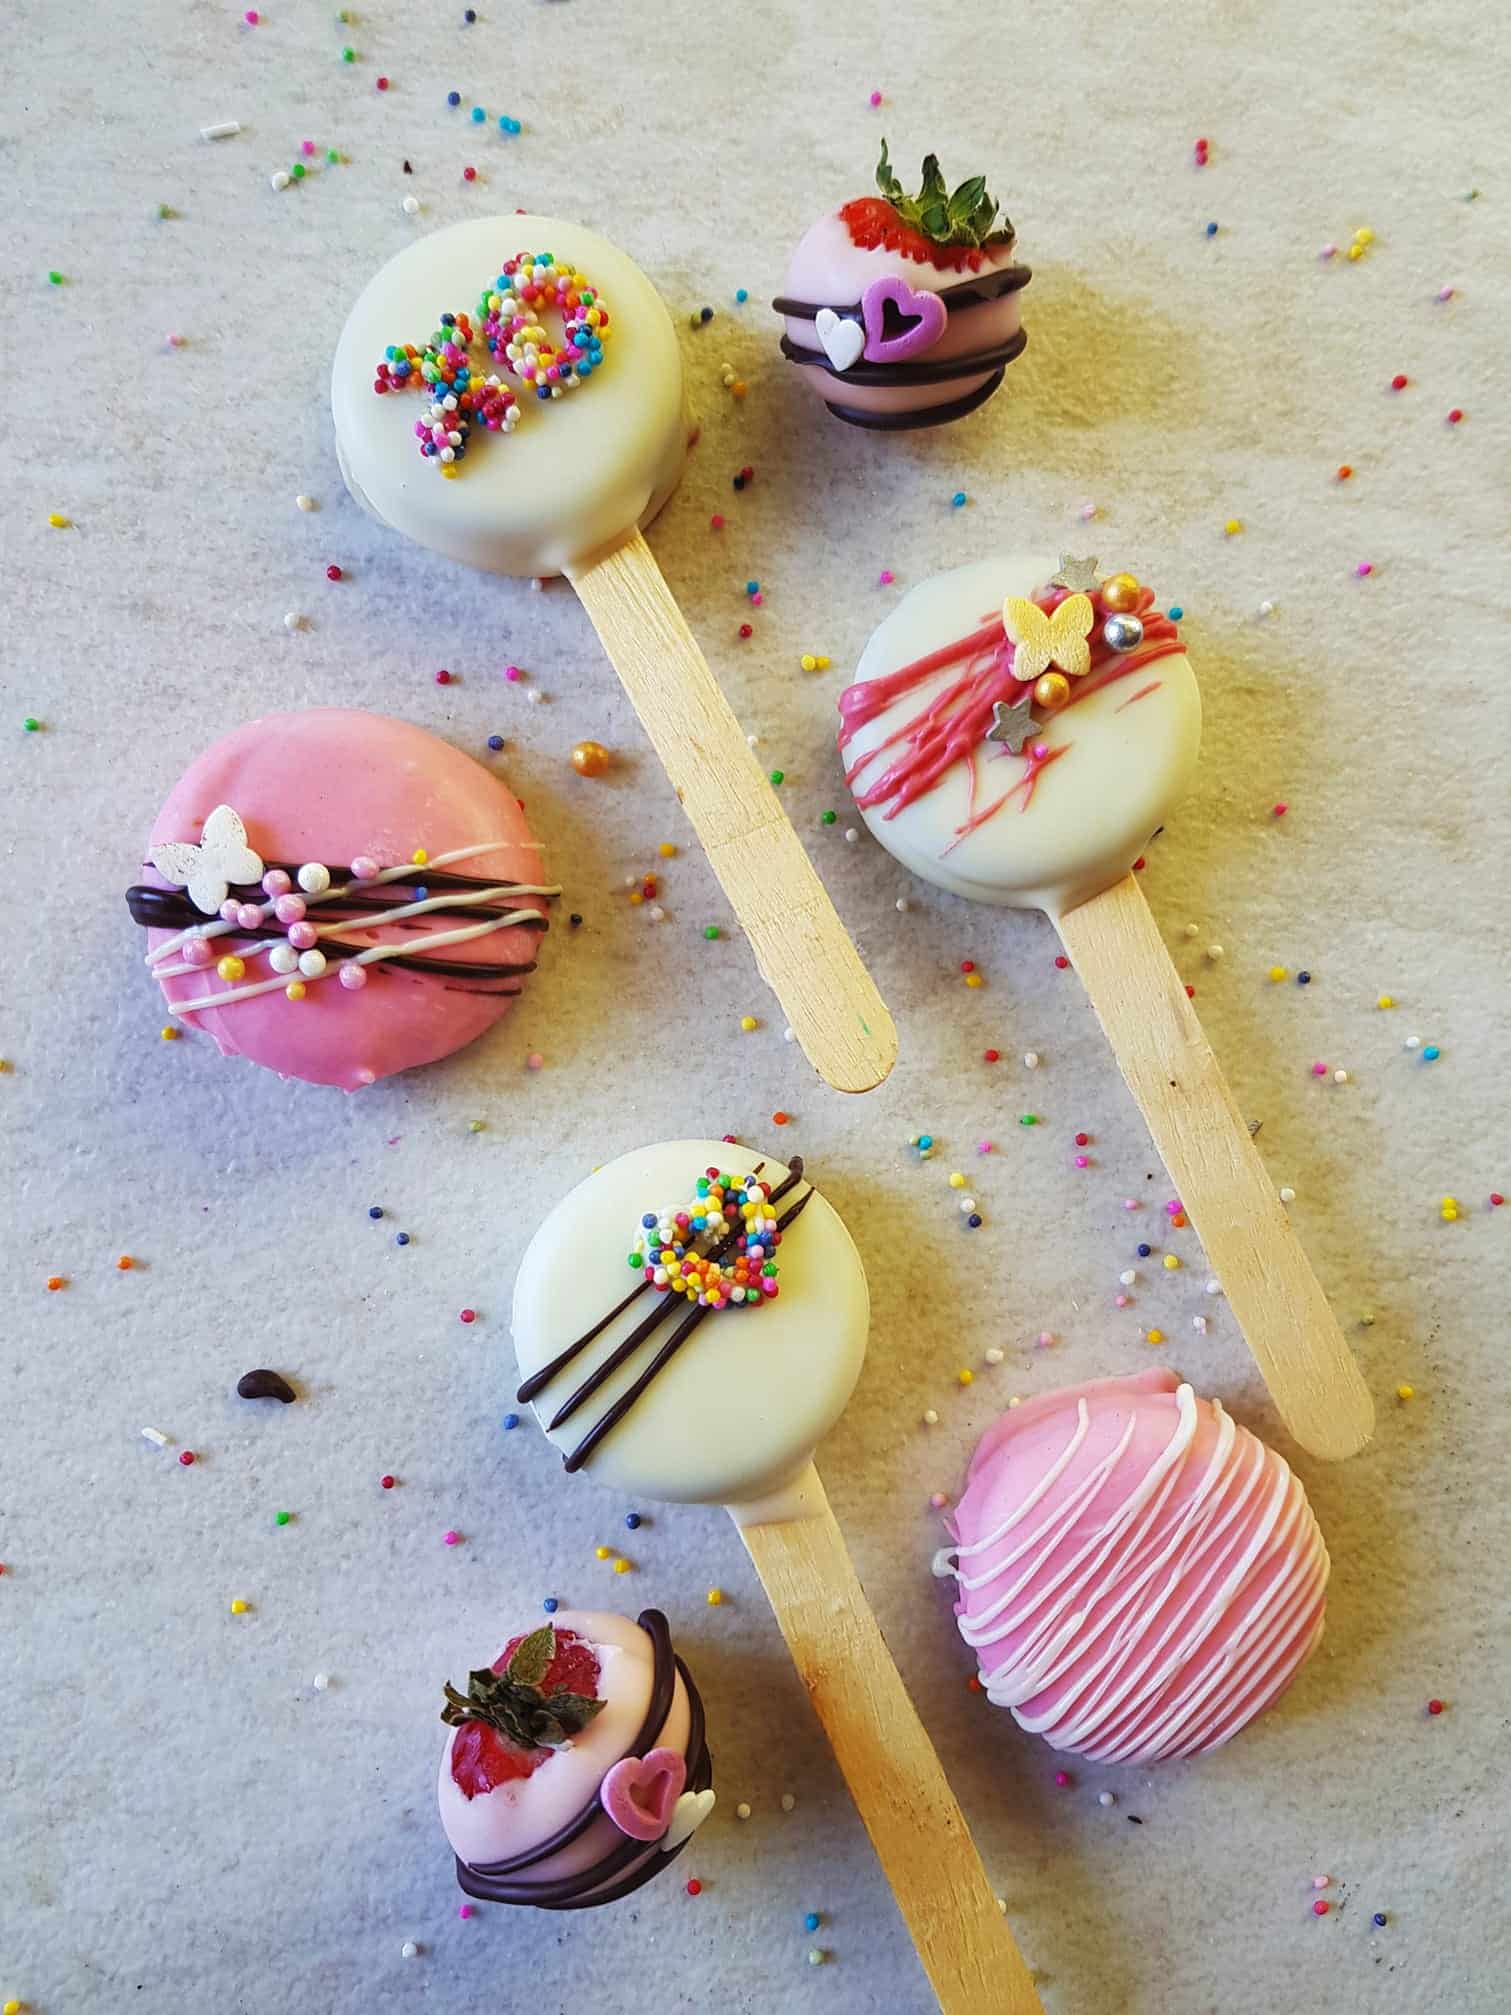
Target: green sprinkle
<point x="475" y="1125"/>
<point x="297" y="171"/>
<point x="778" y="776"/>
<point x="282" y="1517"/>
<point x="635" y="1259"/>
<point x="163" y="210"/>
<point x="31" y="724"/>
<point x="332" y="156"/>
<point x="1028" y="1119"/>
<point x="56" y="279"/>
<point x="710" y="930"/>
<point x="828" y="818"/>
<point x="348" y="55"/>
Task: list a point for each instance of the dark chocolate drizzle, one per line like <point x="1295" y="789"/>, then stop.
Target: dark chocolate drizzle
<point x="625" y="1865"/>
<point x="666" y="1302"/>
<point x="966" y="294"/>
<point x="918" y="416"/>
<point x="364" y="908"/>
<point x="939" y="372"/>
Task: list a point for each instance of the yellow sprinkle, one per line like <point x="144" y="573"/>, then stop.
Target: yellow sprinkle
<point x="238" y="1607"/>
<point x="808" y="662"/>
<point x="1364" y="236"/>
<point x="965" y="1376"/>
<point x="1385" y="1001"/>
<point x="295" y="990"/>
<point x="748" y="1022"/>
<point x="419" y="857"/>
<point x="57" y="520"/>
<point x="602" y="1552"/>
<point x="169" y="1034"/>
<point x="1277" y="972"/>
<point x="1406" y="1392"/>
<point x="714" y="1597"/>
<point x="636" y="898"/>
<point x="621" y="1567"/>
<point x="957" y="1180"/>
<point x="973" y="979"/>
<point x="1356" y="251"/>
<point x="823" y="663"/>
<point x="11" y="2008"/>
<point x="450" y="471"/>
<point x="666" y="850"/>
<point x="1155" y="1336"/>
<point x="1233" y="527"/>
<point x="1172" y="1261"/>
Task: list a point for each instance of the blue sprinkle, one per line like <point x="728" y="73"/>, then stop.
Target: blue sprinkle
<point x="812" y="1921"/>
<point x="1211" y="230"/>
<point x="550" y="1605"/>
<point x="1431" y="1053"/>
<point x="453" y="97"/>
<point x="508" y="125"/>
<point x="752" y="587"/>
<point x="742" y="295"/>
<point x="511" y="1420"/>
<point x="470" y="16"/>
<point x="478" y="115"/>
<point x="705" y="314"/>
<point x="401" y="1238"/>
<point x="632" y="1520"/>
<point x="1144" y="1251"/>
<point x="958" y="499"/>
<point x="973" y="1222"/>
<point x="1380" y="1918"/>
<point x="1303" y="979"/>
<point x="1176" y="612"/>
<point x="375" y="1210"/>
<point x="495" y="742"/>
<point x="925" y="1140"/>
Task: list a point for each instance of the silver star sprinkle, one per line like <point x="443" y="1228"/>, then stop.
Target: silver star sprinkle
<point x="1081" y="577"/>
<point x="1011" y="725"/>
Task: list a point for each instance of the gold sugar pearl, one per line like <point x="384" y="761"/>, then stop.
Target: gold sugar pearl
<point x="1120" y="593"/>
<point x="1052" y="690"/>
<point x="590" y="759"/>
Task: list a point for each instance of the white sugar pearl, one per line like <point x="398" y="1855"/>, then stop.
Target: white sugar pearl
<point x="1214" y="953"/>
<point x="1214" y="1285"/>
<point x="1002" y="1905"/>
<point x="1199" y="1324"/>
<point x="903" y="905"/>
<point x="1031" y="1059"/>
<point x="281" y="179"/>
<point x="1340" y="1077"/>
<point x="314" y="878"/>
<point x="411" y="206"/>
<point x="1287" y="1194"/>
<point x="293" y="620"/>
<point x="752" y="741"/>
<point x="1128" y="1277"/>
<point x="1193" y="930"/>
<point x="656" y="913"/>
<point x="409" y="1950"/>
<point x="322" y="1681"/>
<point x="994" y="1355"/>
<point x="535" y="696"/>
<point x="742" y="1810"/>
<point x="1107" y="1798"/>
<point x="851" y="835"/>
<point x="1266" y="609"/>
<point x="1412" y="1042"/>
<point x="788" y="1801"/>
<point x="312" y="964"/>
<point x="283" y="959"/>
<point x="787" y="1035"/>
<point x="967" y="1204"/>
<point x="305" y="503"/>
<point x="930" y="1418"/>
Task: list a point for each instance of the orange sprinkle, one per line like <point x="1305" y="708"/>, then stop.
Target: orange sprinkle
<point x="55" y="1281"/>
<point x="125" y="1263"/>
<point x="780" y="1118"/>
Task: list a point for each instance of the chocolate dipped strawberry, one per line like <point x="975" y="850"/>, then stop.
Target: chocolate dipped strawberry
<point x="904" y="311"/>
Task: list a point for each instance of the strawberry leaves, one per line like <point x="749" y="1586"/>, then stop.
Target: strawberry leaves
<point x="965" y="217"/>
<point x="512" y="1701"/>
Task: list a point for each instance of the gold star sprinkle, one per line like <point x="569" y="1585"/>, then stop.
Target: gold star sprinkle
<point x="1078" y="575"/>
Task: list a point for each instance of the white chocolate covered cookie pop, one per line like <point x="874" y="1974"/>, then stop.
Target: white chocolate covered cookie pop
<point x="1017" y="732"/>
<point x="689" y="1323"/>
<point x="509" y="393"/>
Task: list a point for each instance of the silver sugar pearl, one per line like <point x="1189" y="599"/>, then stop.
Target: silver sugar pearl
<point x="1122" y="633"/>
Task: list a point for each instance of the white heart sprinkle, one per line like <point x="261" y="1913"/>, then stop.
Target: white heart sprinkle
<point x="691" y="1809"/>
<point x="843" y="340"/>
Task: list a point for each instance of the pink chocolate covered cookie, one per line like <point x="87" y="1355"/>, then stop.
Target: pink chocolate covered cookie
<point x="904" y="311"/>
<point x="338" y="896"/>
<point x="577" y="1766"/>
<point x="1139" y="1576"/>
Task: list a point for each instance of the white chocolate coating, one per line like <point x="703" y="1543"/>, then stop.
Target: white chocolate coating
<point x="578" y="473"/>
<point x="1091" y="812"/>
<point x="738" y="1412"/>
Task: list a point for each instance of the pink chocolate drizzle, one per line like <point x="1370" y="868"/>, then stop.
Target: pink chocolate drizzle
<point x="952" y="725"/>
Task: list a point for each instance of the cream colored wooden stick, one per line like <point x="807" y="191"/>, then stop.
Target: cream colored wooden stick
<point x="800" y="945"/>
<point x="915" y="1824"/>
<point x="1276" y="1299"/>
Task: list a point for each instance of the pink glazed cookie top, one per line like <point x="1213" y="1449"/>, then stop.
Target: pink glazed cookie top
<point x="1138" y="1575"/>
<point x="339" y="896"/>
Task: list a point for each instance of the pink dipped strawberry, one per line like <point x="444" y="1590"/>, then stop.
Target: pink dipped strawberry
<point x="536" y="1695"/>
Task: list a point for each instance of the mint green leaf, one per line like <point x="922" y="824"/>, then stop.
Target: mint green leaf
<point x="886" y="180"/>
<point x="532" y="1656"/>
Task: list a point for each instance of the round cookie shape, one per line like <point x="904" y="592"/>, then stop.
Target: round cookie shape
<point x="350" y="895"/>
<point x="1138" y="1575"/>
<point x="902" y="313"/>
<point x="743" y="1394"/>
<point x="568" y="1824"/>
<point x="970" y="781"/>
<point x="573" y="471"/>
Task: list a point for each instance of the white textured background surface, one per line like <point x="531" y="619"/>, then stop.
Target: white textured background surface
<point x="186" y="1823"/>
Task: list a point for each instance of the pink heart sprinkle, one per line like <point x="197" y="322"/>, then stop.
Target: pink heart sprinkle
<point x="640" y="1793"/>
<point x="927" y="328"/>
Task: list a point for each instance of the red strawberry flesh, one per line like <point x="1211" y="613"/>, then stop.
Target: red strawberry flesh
<point x="872" y="222"/>
<point x="482" y="1758"/>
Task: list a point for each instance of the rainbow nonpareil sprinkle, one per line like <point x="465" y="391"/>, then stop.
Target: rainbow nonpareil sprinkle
<point x="718" y="1249"/>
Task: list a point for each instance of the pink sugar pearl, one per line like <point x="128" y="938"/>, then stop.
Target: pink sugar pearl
<point x="198" y="952"/>
<point x="248" y="917"/>
<point x="228" y="910"/>
<point x="364" y="868"/>
<point x="276" y="883"/>
<point x="302" y="936"/>
<point x="290" y="909"/>
<point x="353" y="978"/>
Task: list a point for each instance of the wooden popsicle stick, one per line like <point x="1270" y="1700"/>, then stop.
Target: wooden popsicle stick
<point x="1141" y="1002"/>
<point x="895" y="1778"/>
<point x="801" y="947"/>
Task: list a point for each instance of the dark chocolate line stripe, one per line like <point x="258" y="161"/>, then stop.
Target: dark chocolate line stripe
<point x="920" y="373"/>
<point x="539" y="1380"/>
<point x="170" y="909"/>
<point x="965" y="294"/>
<point x="626" y="1400"/>
<point x="918" y="416"/>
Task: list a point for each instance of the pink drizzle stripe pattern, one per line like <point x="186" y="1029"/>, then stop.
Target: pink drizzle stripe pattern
<point x="1139" y="1576"/>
